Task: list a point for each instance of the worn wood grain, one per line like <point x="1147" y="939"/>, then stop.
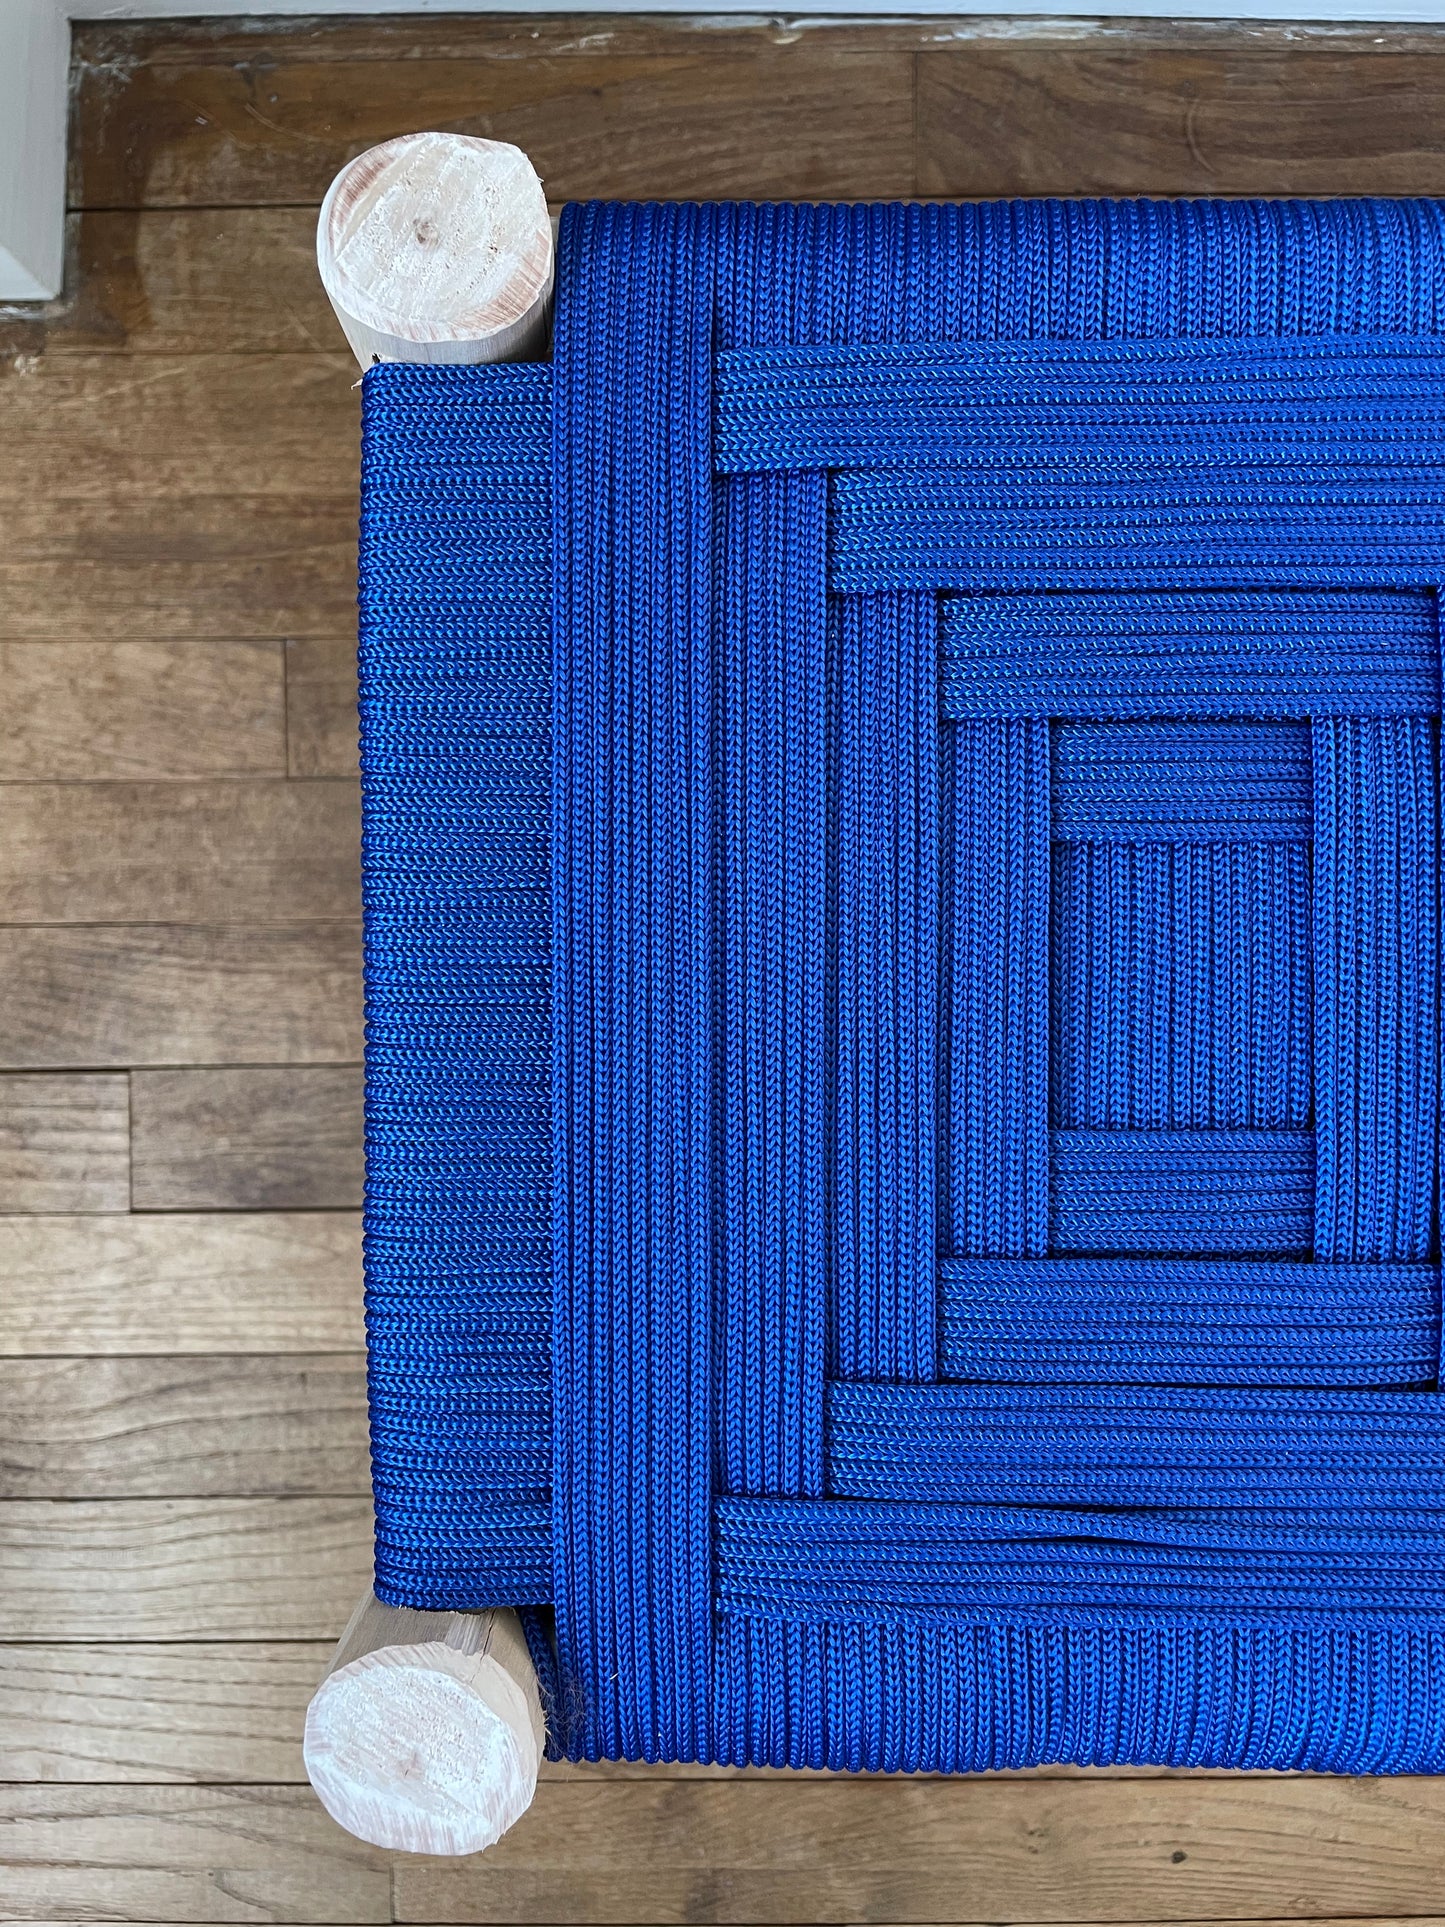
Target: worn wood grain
<point x="180" y="994"/>
<point x="884" y="1850"/>
<point x="125" y="49"/>
<point x="98" y="426"/>
<point x="138" y="530"/>
<point x="1372" y="1920"/>
<point x="1242" y="119"/>
<point x="185" y="1427"/>
<point x="705" y="116"/>
<point x="208" y="564"/>
<point x="85" y="710"/>
<point x="115" y="1569"/>
<point x="216" y="1712"/>
<point x="263" y="1282"/>
<point x="64" y="1142"/>
<point x="321" y="706"/>
<point x="193" y="851"/>
<point x="201" y="1712"/>
<point x="177" y="1853"/>
<point x="246" y="1140"/>
<point x="184" y="281"/>
<point x="527" y="36"/>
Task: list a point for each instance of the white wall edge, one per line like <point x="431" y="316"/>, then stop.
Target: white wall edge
<point x="35" y="59"/>
<point x="34" y="96"/>
<point x="968" y="24"/>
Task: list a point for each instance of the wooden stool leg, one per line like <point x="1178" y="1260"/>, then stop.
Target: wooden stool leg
<point x="426" y="1734"/>
<point x="438" y="248"/>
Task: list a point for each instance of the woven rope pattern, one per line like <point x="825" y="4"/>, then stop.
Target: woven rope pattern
<point x="1085" y="406"/>
<point x="455" y="685"/>
<point x="902" y="864"/>
<point x="1247" y="653"/>
<point x="1183" y="1321"/>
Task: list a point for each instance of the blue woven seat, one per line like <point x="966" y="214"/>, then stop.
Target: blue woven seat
<point x="902" y="869"/>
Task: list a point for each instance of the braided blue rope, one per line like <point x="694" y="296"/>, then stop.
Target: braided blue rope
<point x="454" y="730"/>
<point x="1136" y="1321"/>
<point x="1212" y="781"/>
<point x="1208" y="1192"/>
<point x="1265" y="652"/>
<point x="805" y="1559"/>
<point x="1338" y="403"/>
<point x="634" y="913"/>
<point x="1136" y="1446"/>
<point x="981" y="1696"/>
<point x="902" y="845"/>
<point x="1205" y="527"/>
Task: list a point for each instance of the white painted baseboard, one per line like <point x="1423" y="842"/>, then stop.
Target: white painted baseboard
<point x="34" y="60"/>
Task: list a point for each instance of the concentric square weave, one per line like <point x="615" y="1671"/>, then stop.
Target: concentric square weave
<point x="903" y="955"/>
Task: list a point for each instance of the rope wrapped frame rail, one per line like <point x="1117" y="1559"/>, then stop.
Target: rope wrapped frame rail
<point x="902" y="891"/>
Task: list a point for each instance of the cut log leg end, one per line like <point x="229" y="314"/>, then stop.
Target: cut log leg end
<point x="427" y="1733"/>
<point x="438" y="248"/>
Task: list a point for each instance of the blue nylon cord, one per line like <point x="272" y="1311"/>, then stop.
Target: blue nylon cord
<point x="1202" y="525"/>
<point x="774" y="724"/>
<point x="1134" y="1446"/>
<point x="884" y="1247"/>
<point x="653" y="1167"/>
<point x="1208" y="1192"/>
<point x="634" y="953"/>
<point x="777" y="650"/>
<point x="805" y="1559"/>
<point x="1376" y="878"/>
<point x="454" y="699"/>
<point x="1237" y="652"/>
<point x="1214" y="781"/>
<point x="1181" y="995"/>
<point x="980" y="1698"/>
<point x="1124" y="1321"/>
<point x="996" y="967"/>
<point x="1338" y="402"/>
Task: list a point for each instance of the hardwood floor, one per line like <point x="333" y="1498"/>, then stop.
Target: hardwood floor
<point x="183" y="1490"/>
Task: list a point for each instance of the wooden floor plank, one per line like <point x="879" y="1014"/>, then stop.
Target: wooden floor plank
<point x="195" y="851"/>
<point x="148" y="994"/>
<point x="746" y="115"/>
<point x="177" y="482"/>
<point x="1372" y="1920"/>
<point x="202" y="1713"/>
<point x="185" y="281"/>
<point x="1234" y="119"/>
<point x="205" y="1712"/>
<point x="159" y="426"/>
<point x="247" y="1139"/>
<point x="85" y="710"/>
<point x="887" y="1850"/>
<point x="184" y="1854"/>
<point x="321" y="706"/>
<point x="245" y="1283"/>
<point x="115" y="1569"/>
<point x="527" y="37"/>
<point x="209" y="565"/>
<point x="186" y="1427"/>
<point x="64" y="1141"/>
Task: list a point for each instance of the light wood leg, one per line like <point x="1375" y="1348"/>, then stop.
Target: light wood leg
<point x="438" y="248"/>
<point x="426" y="1734"/>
